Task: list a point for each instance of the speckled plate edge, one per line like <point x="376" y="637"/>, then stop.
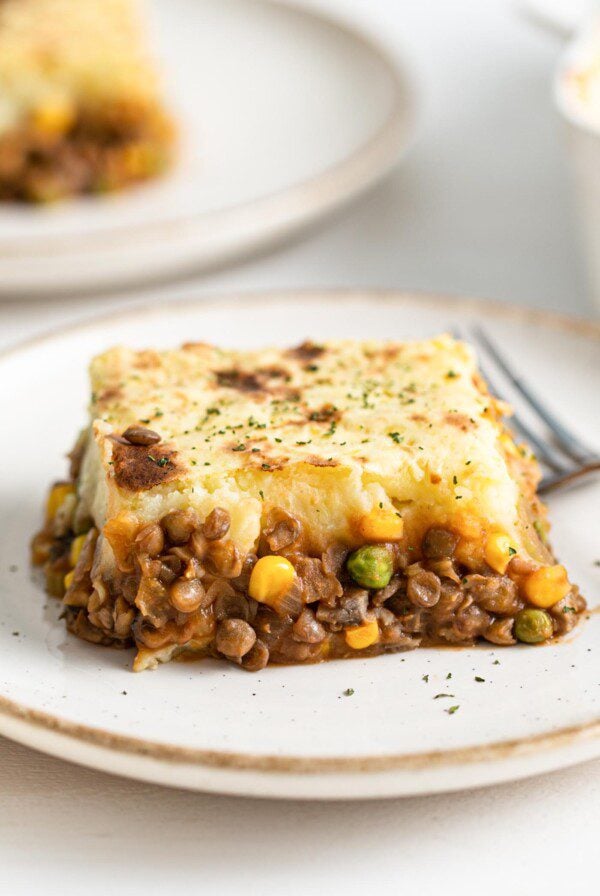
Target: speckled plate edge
<point x="287" y="776"/>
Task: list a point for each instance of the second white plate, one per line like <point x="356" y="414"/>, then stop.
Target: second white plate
<point x="284" y="115"/>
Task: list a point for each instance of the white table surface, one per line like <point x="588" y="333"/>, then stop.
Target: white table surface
<point x="481" y="206"/>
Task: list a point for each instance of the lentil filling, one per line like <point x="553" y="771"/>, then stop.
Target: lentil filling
<point x="180" y="584"/>
<point x="94" y="153"/>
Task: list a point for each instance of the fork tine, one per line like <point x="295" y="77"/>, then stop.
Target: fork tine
<point x="567" y="441"/>
<point x="543" y="451"/>
<point x="549" y="483"/>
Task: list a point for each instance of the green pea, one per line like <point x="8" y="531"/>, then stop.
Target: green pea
<point x="533" y="626"/>
<point x="371" y="566"/>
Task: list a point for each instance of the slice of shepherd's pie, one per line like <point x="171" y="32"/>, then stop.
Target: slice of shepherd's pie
<point x="80" y="110"/>
<point x="300" y="505"/>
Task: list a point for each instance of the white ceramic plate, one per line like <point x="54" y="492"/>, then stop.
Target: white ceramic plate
<point x="290" y="731"/>
<point x="284" y="114"/>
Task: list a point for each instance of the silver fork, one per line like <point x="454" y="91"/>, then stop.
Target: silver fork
<point x="565" y="458"/>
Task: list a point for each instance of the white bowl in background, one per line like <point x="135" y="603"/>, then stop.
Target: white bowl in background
<point x="577" y="95"/>
<point x="578" y="22"/>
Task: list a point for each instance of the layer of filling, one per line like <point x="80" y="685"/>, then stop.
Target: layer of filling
<point x="180" y="584"/>
<point x="60" y="151"/>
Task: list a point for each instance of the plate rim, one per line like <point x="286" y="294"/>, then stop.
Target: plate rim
<point x="125" y="745"/>
<point x="557" y="320"/>
<point x="307" y="200"/>
<point x="273" y="763"/>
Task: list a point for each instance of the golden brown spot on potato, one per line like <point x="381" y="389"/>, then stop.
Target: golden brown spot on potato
<point x="418" y="418"/>
<point x="265" y="463"/>
<point x="241" y="380"/>
<point x="325" y="414"/>
<point x="263" y="381"/>
<point x="316" y="461"/>
<point x="138" y="468"/>
<point x="273" y="373"/>
<point x="435" y="479"/>
<point x="195" y="346"/>
<point x="113" y="393"/>
<point x="306" y="351"/>
<point x="146" y="360"/>
<point x="461" y="421"/>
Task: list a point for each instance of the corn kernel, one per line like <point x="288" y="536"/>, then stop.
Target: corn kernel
<point x="381" y="525"/>
<point x="54" y="117"/>
<point x="546" y="586"/>
<point x="360" y="636"/>
<point x="56" y="497"/>
<point x="69" y="580"/>
<point x="76" y="548"/>
<point x="271" y="577"/>
<point x="498" y="551"/>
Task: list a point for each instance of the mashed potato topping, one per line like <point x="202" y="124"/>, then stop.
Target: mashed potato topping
<point x="328" y="432"/>
<point x="57" y="53"/>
